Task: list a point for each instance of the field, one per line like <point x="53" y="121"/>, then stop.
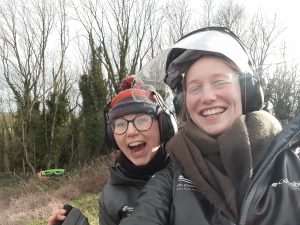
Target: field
<point x="24" y="200"/>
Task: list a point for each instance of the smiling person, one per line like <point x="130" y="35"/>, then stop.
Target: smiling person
<point x="233" y="163"/>
<point x="138" y="125"/>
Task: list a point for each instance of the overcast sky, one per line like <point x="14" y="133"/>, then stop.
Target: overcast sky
<point x="288" y="14"/>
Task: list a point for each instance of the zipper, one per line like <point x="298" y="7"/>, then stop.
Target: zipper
<point x="251" y="192"/>
<point x="253" y="188"/>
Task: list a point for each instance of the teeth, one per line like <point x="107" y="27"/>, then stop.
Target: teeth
<point x="213" y="111"/>
<point x="135" y="143"/>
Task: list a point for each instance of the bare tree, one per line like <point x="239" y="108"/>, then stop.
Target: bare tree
<point x="124" y="31"/>
<point x="258" y="34"/>
<point x="19" y="57"/>
<point x="61" y="83"/>
<point x="232" y="15"/>
<point x="282" y="90"/>
<point x="26" y="59"/>
<point x="208" y="7"/>
<point x="178" y="20"/>
<point x="261" y="35"/>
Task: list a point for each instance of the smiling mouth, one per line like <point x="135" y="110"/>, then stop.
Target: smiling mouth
<point x="212" y="111"/>
<point x="137" y="146"/>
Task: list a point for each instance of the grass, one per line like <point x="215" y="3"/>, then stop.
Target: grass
<point x="26" y="200"/>
<point x="87" y="203"/>
<point x="36" y="222"/>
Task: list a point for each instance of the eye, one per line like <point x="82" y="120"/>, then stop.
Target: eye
<point x="220" y="84"/>
<point x="142" y="119"/>
<point x="195" y="90"/>
<point x="119" y="123"/>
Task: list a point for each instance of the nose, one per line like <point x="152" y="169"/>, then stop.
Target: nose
<point x="131" y="130"/>
<point x="208" y="95"/>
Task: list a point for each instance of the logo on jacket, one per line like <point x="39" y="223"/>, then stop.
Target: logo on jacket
<point x="185" y="184"/>
<point x="295" y="185"/>
<point x="125" y="211"/>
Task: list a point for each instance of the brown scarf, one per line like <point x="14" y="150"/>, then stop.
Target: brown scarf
<point x="222" y="168"/>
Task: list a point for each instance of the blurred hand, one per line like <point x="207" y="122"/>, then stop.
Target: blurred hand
<point x="58" y="213"/>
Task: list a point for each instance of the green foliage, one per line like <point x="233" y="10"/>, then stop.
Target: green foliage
<point x="88" y="204"/>
<point x="69" y="148"/>
<point x="281" y="90"/>
<point x="25" y="128"/>
<point x="93" y="90"/>
<point x="45" y="135"/>
<point x="57" y="118"/>
<point x="58" y="105"/>
<point x="36" y="222"/>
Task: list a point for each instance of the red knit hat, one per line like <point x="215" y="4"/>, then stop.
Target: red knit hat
<point x="135" y="98"/>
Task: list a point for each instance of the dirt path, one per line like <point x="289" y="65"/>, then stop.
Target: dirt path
<point x="4" y="196"/>
<point x="4" y="202"/>
<point x="4" y="206"/>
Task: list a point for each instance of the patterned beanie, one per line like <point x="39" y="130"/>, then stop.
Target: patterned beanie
<point x="135" y="98"/>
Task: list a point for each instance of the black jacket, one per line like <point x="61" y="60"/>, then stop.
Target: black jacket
<point x="120" y="194"/>
<point x="272" y="199"/>
<point x="118" y="197"/>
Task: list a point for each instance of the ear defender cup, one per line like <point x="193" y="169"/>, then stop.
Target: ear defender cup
<point x="167" y="125"/>
<point x="109" y="138"/>
<point x="178" y="102"/>
<point x="251" y="93"/>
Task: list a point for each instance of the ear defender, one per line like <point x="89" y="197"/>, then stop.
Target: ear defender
<point x="166" y="120"/>
<point x="109" y="138"/>
<point x="178" y="102"/>
<point x="167" y="125"/>
<point x="251" y="93"/>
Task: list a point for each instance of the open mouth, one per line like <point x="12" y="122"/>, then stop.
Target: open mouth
<point x="137" y="146"/>
<point x="212" y="111"/>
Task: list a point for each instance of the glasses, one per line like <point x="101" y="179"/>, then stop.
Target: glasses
<point x="140" y="122"/>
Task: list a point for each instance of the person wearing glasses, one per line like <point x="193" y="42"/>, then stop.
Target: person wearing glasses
<point x="138" y="125"/>
<point x="233" y="162"/>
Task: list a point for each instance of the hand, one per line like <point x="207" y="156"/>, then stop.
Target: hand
<point x="58" y="213"/>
